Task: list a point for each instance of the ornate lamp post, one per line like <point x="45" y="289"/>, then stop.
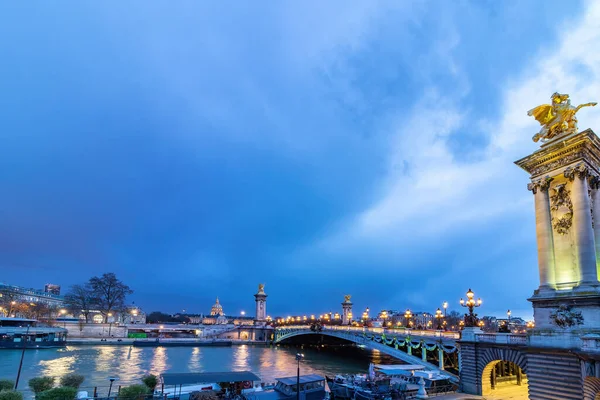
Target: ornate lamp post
<point x="408" y="315"/>
<point x="438" y="318"/>
<point x="384" y="316"/>
<point x="471" y="318"/>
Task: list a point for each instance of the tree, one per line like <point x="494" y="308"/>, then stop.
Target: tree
<point x="134" y="392"/>
<point x="41" y="384"/>
<point x="60" y="393"/>
<point x="72" y="380"/>
<point x="150" y="381"/>
<point x="109" y="293"/>
<point x="6" y="384"/>
<point x="156" y="317"/>
<point x="10" y="395"/>
<point x="80" y="300"/>
<point x="453" y="319"/>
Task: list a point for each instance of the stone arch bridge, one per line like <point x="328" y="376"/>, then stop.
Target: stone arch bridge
<point x="433" y="349"/>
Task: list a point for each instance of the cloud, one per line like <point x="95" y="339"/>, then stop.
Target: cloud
<point x="430" y="194"/>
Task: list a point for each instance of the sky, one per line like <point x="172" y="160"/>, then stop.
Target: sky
<point x="197" y="149"/>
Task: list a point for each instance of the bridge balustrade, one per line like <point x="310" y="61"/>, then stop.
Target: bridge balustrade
<point x="501" y="338"/>
<point x="389" y="331"/>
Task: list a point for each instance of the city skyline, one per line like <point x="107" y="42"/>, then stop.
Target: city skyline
<point x="368" y="150"/>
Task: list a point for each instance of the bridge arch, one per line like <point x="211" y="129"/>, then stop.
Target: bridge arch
<point x="494" y="359"/>
<point x="392" y="345"/>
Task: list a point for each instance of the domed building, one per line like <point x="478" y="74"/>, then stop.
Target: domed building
<point x="217" y="309"/>
<point x="217" y="316"/>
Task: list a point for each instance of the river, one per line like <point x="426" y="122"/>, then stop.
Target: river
<point x="129" y="364"/>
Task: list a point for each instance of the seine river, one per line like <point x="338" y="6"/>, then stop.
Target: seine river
<point x="129" y="364"/>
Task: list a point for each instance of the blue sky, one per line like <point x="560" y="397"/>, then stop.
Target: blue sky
<point x="362" y="148"/>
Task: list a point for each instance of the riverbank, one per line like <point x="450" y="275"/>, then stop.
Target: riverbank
<point x="129" y="342"/>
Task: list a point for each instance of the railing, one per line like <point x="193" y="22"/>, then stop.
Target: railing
<point x="387" y="331"/>
<point x="501" y="338"/>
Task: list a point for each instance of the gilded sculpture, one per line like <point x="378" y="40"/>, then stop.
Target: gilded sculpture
<point x="347" y="298"/>
<point x="558" y="118"/>
<point x="261" y="288"/>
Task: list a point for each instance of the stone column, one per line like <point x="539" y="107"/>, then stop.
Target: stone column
<point x="346" y="311"/>
<point x="582" y="224"/>
<point x="543" y="224"/>
<point x="261" y="305"/>
<point x="595" y="186"/>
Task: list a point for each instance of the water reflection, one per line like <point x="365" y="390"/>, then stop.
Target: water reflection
<point x="159" y="361"/>
<point x="58" y="367"/>
<point x="98" y="363"/>
<point x="240" y="358"/>
<point x="194" y="364"/>
<point x="105" y="358"/>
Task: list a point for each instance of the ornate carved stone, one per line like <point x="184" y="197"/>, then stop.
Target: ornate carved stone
<point x="565" y="317"/>
<point x="562" y="209"/>
<point x="594" y="181"/>
<point x="540" y="184"/>
<point x="580" y="171"/>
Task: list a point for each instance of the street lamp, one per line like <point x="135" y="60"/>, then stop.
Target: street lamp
<point x="438" y="318"/>
<point x="111" y="379"/>
<point x="63" y="312"/>
<point x="508" y="313"/>
<point x="109" y="323"/>
<point x="471" y="303"/>
<point x="299" y="357"/>
<point x="243" y="313"/>
<point x="384" y="316"/>
<point x="134" y="314"/>
<point x="12" y="304"/>
<point x="408" y="315"/>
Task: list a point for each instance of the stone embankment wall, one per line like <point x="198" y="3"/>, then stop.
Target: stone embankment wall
<point x="96" y="330"/>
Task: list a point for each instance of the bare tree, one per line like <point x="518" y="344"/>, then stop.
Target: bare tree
<point x="80" y="300"/>
<point x="109" y="293"/>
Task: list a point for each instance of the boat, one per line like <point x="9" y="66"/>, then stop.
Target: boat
<point x="181" y="343"/>
<point x="184" y="386"/>
<point x="24" y="333"/>
<point x="406" y="377"/>
<point x="345" y="386"/>
<point x="312" y="387"/>
<point x="188" y="386"/>
<point x="435" y="382"/>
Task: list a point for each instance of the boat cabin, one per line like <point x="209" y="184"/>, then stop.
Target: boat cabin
<point x="182" y="385"/>
<point x="312" y="387"/>
<point x="17" y="333"/>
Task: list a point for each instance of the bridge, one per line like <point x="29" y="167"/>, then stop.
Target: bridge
<point x="425" y="348"/>
<point x="437" y="350"/>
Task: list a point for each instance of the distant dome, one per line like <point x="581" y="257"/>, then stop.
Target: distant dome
<point x="216" y="309"/>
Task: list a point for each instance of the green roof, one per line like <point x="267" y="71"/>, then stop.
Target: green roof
<point x="171" y="379"/>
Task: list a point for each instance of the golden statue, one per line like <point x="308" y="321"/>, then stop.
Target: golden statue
<point x="261" y="288"/>
<point x="347" y="298"/>
<point x="558" y="118"/>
